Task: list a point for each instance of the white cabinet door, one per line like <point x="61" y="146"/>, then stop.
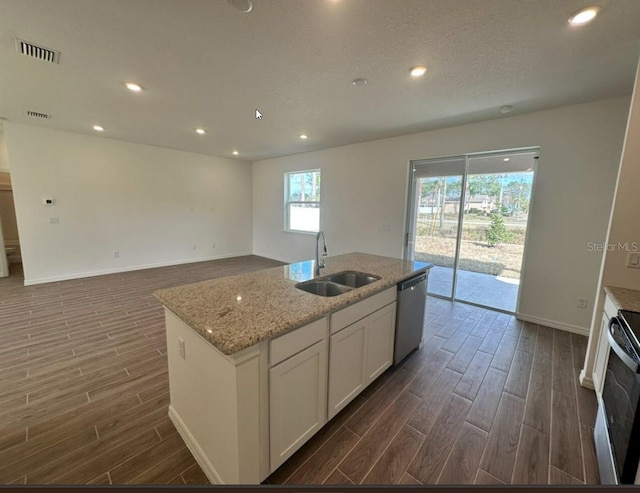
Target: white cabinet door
<point x="358" y="355"/>
<point x="346" y="366"/>
<point x="380" y="337"/>
<point x="297" y="401"/>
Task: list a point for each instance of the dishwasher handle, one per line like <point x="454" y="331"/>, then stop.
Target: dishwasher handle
<point x="411" y="282"/>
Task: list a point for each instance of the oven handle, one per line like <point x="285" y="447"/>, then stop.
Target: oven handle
<point x="622" y="354"/>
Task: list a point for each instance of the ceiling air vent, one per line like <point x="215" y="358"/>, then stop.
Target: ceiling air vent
<point x="35" y="114"/>
<point x="38" y="52"/>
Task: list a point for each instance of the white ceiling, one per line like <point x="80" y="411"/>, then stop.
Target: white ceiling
<point x="203" y="63"/>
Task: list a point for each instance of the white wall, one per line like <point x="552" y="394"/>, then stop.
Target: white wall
<point x="364" y="188"/>
<point x="150" y="204"/>
<point x="624" y="227"/>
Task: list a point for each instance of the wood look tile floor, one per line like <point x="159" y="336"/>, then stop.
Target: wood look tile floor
<point x="84" y="395"/>
<point x="487" y="400"/>
<point x="84" y="388"/>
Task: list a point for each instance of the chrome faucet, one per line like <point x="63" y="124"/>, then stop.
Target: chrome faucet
<point x="320" y="262"/>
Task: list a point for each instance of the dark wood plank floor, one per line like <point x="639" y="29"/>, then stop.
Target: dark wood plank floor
<point x="84" y="395"/>
<point x="84" y="388"/>
<point x="488" y="400"/>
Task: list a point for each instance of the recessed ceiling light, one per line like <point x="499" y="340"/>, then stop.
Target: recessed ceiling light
<point x="584" y="16"/>
<point x="507" y="108"/>
<point x="506" y="159"/>
<point x="418" y="71"/>
<point x="201" y="131"/>
<point x="133" y="87"/>
<point x="235" y="153"/>
<point x="303" y="136"/>
<point x="359" y="82"/>
<point x="244" y="6"/>
<point x="98" y="128"/>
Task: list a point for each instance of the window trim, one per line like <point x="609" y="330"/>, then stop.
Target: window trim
<point x="287" y="202"/>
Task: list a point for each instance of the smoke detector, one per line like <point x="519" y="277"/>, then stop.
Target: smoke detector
<point x="38" y="52"/>
<point x="244" y="6"/>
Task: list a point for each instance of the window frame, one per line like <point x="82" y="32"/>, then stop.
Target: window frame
<point x="288" y="203"/>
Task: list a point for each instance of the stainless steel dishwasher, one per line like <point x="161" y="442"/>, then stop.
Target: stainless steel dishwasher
<point x="412" y="298"/>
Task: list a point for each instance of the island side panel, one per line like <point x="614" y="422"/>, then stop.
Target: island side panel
<point x="215" y="404"/>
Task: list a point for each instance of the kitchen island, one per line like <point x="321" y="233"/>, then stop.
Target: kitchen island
<point x="257" y="366"/>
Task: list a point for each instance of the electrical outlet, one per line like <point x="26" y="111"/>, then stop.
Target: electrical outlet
<point x="213" y="245"/>
<point x="116" y="254"/>
<point x="633" y="260"/>
<point x="183" y="354"/>
<point x="582" y="302"/>
<point x="193" y="247"/>
<point x="54" y="220"/>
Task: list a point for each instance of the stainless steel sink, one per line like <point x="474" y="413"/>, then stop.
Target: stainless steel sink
<point x="352" y="278"/>
<point x="338" y="283"/>
<point x="323" y="288"/>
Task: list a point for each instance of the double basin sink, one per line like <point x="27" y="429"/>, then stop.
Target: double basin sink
<point x="338" y="283"/>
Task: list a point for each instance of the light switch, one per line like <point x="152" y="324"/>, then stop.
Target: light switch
<point x="633" y="260"/>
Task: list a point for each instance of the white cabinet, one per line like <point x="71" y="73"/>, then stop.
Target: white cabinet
<point x="602" y="352"/>
<point x="312" y="377"/>
<point x="297" y="392"/>
<point x="380" y="339"/>
<point x="346" y="366"/>
<point x="359" y="354"/>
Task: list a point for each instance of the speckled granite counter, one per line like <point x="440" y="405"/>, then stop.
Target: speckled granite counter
<point x="238" y="311"/>
<point x="624" y="298"/>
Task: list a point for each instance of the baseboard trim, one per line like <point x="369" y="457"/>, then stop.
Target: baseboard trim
<point x="271" y="257"/>
<point x="553" y="324"/>
<point x="81" y="275"/>
<point x="586" y="381"/>
<point x="194" y="448"/>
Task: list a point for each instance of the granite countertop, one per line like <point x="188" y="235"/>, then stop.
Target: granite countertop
<point x="624" y="298"/>
<point x="238" y="311"/>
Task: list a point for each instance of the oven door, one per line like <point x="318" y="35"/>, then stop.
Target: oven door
<point x="620" y="397"/>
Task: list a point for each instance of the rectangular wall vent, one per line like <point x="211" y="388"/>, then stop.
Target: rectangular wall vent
<point x="35" y="114"/>
<point x="38" y="52"/>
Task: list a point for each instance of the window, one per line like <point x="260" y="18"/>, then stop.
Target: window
<point x="302" y="201"/>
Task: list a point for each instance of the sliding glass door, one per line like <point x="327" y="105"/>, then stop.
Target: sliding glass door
<point x="467" y="216"/>
<point x="436" y="219"/>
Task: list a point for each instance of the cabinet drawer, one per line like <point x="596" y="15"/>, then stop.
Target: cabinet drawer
<point x="359" y="310"/>
<point x="610" y="309"/>
<point x="295" y="341"/>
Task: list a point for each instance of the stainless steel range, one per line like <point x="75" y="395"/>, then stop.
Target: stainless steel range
<point x="617" y="430"/>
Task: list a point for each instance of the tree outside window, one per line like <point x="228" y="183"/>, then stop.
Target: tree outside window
<point x="302" y="201"/>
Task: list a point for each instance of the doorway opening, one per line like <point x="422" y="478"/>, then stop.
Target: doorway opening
<point x="10" y="261"/>
<point x="468" y="216"/>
